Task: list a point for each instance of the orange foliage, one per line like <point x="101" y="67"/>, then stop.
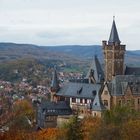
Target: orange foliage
<point x="23" y="107"/>
<point x="90" y="125"/>
<point x="131" y="130"/>
<point x="51" y="134"/>
<point x="45" y="134"/>
<point x="12" y="135"/>
<point x="93" y="128"/>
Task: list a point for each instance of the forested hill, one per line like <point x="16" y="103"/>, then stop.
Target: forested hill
<point x="10" y="51"/>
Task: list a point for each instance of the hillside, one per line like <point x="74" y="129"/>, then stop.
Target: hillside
<point x="87" y="52"/>
<point x="72" y="53"/>
<point x="32" y="70"/>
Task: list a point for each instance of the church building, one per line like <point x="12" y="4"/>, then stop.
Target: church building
<point x="101" y="89"/>
<point x="122" y="83"/>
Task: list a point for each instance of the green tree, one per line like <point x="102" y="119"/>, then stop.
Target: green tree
<point x="118" y="115"/>
<point x="74" y="129"/>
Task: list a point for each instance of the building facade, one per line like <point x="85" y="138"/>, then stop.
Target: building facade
<point x="122" y="83"/>
<point x="117" y="84"/>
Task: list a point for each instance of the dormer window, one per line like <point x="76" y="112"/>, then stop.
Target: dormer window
<point x="80" y="90"/>
<point x="95" y="103"/>
<point x="94" y="92"/>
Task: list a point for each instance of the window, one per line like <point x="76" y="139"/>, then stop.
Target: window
<point x="85" y="101"/>
<point x="132" y="102"/>
<point x="81" y="100"/>
<point x="74" y="100"/>
<point x="78" y="100"/>
<point x="120" y="102"/>
<point x="138" y="100"/>
<point x="105" y="102"/>
<point x="128" y="101"/>
<point x="105" y="93"/>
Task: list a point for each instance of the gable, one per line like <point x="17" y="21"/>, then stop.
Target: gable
<point x="128" y="91"/>
<point x="105" y="92"/>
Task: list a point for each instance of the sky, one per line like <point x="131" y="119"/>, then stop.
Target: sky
<point x="68" y="22"/>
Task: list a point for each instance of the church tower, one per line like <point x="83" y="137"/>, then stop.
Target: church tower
<point x="114" y="53"/>
<point x="54" y="85"/>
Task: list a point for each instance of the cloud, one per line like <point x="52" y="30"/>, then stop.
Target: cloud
<point x="52" y="22"/>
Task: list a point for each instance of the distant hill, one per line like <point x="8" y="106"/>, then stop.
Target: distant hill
<point x="87" y="52"/>
<point x="10" y="51"/>
<point x="78" y="50"/>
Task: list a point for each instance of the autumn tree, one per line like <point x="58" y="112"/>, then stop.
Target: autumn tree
<point x="91" y="126"/>
<point x="119" y="115"/>
<point x="23" y="115"/>
<point x="131" y="130"/>
<point x="113" y="121"/>
<point x="50" y="134"/>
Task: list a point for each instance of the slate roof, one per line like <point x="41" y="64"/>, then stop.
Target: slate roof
<point x="97" y="103"/>
<point x="120" y="82"/>
<point x="79" y="90"/>
<point x="97" y="70"/>
<point x="55" y="81"/>
<point x="55" y="108"/>
<point x="82" y="80"/>
<point x="114" y="37"/>
<point x="132" y="70"/>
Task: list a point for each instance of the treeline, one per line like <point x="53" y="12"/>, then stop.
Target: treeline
<point x="120" y="123"/>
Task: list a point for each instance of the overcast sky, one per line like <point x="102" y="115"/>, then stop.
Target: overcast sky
<point x="59" y="22"/>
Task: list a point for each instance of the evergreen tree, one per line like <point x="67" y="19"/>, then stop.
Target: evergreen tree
<point x="74" y="129"/>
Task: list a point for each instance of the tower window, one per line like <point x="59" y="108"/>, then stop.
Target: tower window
<point x="120" y="102"/>
<point x="105" y="93"/>
<point x="105" y="102"/>
<point x="138" y="100"/>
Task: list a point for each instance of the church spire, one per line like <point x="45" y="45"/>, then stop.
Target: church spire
<point x="114" y="37"/>
<point x="55" y="82"/>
